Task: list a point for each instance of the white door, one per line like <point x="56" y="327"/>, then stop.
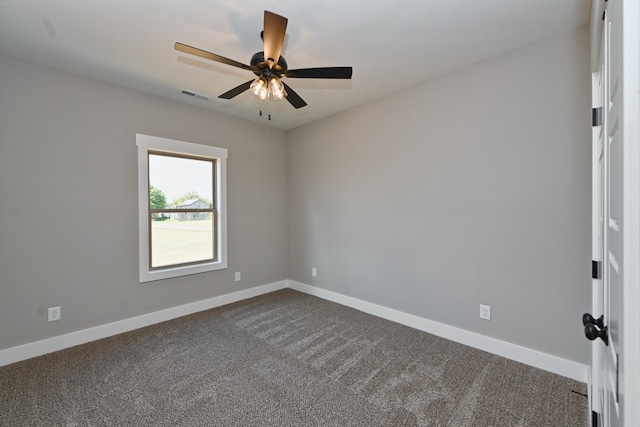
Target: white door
<point x="614" y="222"/>
<point x="596" y="392"/>
<point x="616" y="350"/>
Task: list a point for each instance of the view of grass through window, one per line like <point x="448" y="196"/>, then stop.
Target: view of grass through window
<point x="181" y="210"/>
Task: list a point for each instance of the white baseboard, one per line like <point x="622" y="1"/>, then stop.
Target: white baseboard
<point x="557" y="365"/>
<point x="49" y="345"/>
<point x="515" y="352"/>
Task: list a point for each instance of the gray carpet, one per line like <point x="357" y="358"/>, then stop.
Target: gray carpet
<point x="283" y="359"/>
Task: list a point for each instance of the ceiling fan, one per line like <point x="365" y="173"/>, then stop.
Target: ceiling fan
<point x="270" y="66"/>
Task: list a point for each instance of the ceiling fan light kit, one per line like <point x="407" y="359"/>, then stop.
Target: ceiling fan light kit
<point x="270" y="67"/>
<point x="268" y="90"/>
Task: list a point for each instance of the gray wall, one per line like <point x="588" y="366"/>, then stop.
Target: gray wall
<point x="472" y="188"/>
<point x="68" y="202"/>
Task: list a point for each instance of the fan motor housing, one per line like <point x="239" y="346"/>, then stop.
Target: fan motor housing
<point x="261" y="67"/>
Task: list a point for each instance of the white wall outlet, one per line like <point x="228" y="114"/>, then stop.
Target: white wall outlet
<point x="485" y="312"/>
<point x="238" y="276"/>
<point x="54" y="314"/>
<point x="314" y="272"/>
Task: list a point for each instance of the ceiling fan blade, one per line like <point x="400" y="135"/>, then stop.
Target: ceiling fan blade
<point x="275" y="27"/>
<point x="320" y="73"/>
<point x="208" y="55"/>
<point x="293" y="98"/>
<point x="236" y="90"/>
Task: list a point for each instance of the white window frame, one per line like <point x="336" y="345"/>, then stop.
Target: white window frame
<point x="148" y="143"/>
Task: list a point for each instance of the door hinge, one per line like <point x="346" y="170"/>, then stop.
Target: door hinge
<point x="596" y="116"/>
<point x="595" y="419"/>
<point x="596" y="268"/>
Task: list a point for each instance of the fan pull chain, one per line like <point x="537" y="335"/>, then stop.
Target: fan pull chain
<point x="268" y="115"/>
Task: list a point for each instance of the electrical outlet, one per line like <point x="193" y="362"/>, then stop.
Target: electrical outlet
<point x="485" y="312"/>
<point x="238" y="276"/>
<point x="314" y="272"/>
<point x="54" y="314"/>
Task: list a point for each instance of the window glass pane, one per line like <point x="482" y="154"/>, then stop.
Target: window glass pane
<point x="178" y="238"/>
<point x="181" y="181"/>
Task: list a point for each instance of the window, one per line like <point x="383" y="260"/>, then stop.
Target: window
<point x="182" y="208"/>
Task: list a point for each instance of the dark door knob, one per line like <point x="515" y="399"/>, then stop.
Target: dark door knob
<point x="592" y="332"/>
<point x="587" y="318"/>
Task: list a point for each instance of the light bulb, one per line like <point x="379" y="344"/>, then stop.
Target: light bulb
<point x="259" y="88"/>
<point x="276" y="89"/>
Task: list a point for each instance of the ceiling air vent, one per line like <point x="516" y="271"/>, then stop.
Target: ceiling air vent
<point x="196" y="95"/>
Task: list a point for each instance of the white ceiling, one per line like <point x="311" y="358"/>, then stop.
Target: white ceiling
<point x="391" y="44"/>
